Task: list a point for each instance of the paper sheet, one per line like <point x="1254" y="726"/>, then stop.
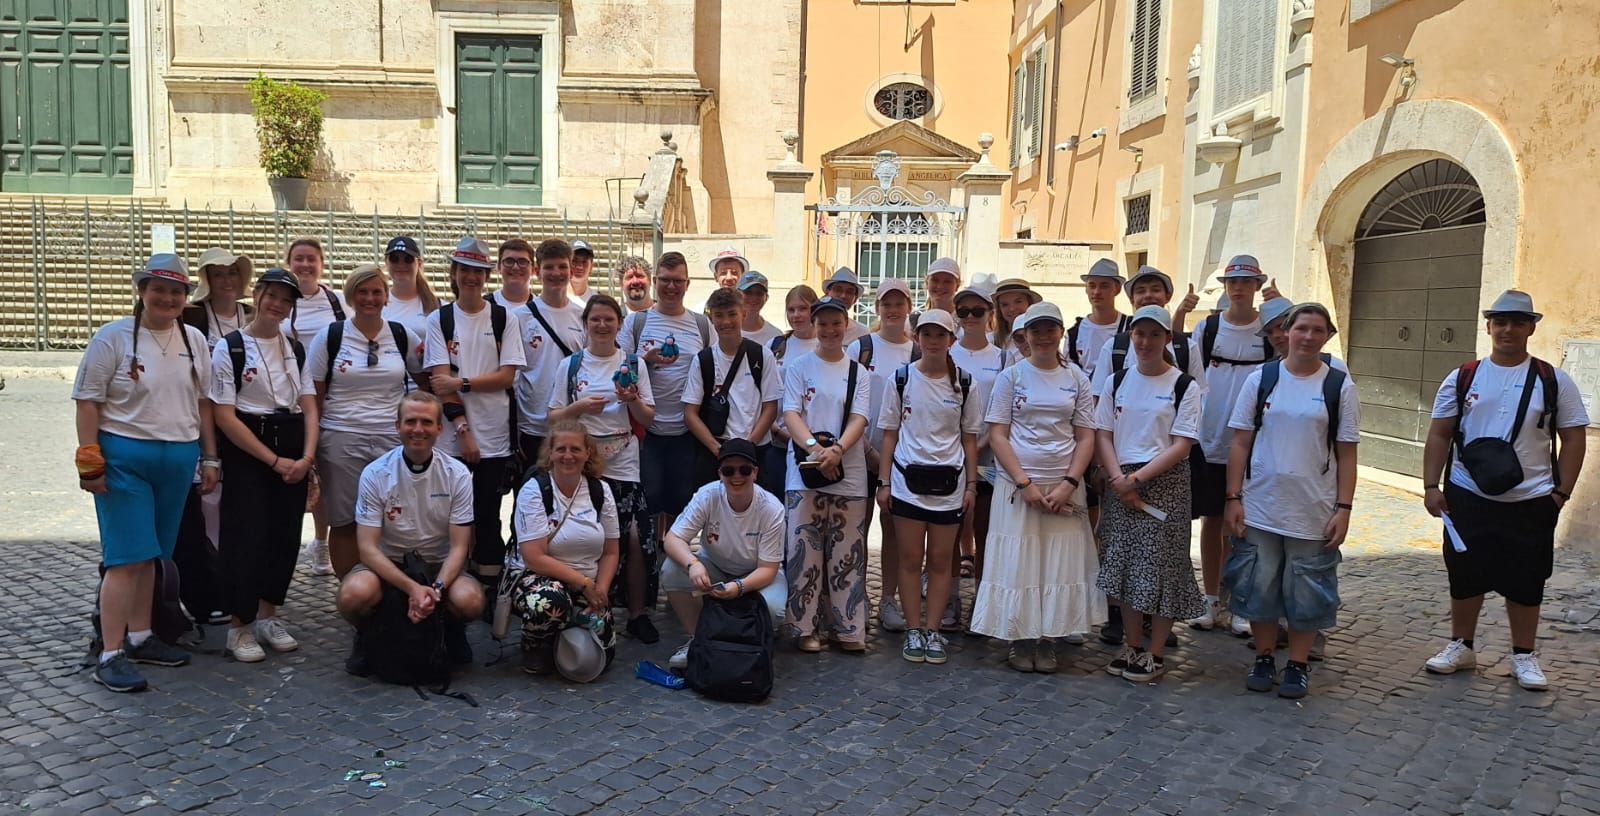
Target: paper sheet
<point x="1455" y="537"/>
<point x="1155" y="512"/>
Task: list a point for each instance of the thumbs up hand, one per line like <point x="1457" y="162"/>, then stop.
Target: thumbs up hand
<point x="1271" y="291"/>
<point x="1190" y="301"/>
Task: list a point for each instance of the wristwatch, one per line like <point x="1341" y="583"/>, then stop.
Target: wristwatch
<point x="438" y="585"/>
<point x="811" y="442"/>
<point x="466" y="385"/>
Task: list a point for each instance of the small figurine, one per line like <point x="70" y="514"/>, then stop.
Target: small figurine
<point x="670" y="348"/>
<point x="625" y="377"/>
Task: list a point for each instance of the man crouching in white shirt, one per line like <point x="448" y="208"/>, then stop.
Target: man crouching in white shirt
<point x="741" y="532"/>
<point x="413" y="499"/>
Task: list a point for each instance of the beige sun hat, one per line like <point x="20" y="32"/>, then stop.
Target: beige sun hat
<point x="217" y="256"/>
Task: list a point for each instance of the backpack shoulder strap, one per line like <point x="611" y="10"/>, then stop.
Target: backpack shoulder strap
<point x="597" y="494"/>
<point x="1326" y="357"/>
<point x="1180" y="350"/>
<point x="901" y="375"/>
<point x="864" y="356"/>
<point x="336" y="342"/>
<point x="1072" y="340"/>
<point x="1116" y="382"/>
<point x="849" y="396"/>
<point x="758" y="362"/>
<point x="299" y="350"/>
<point x="398" y="332"/>
<point x="916" y="352"/>
<point x="1179" y="389"/>
<point x="447" y="322"/>
<point x="574" y="362"/>
<point x="1208" y="339"/>
<point x="546" y="491"/>
<point x="1269" y="381"/>
<point x="966" y="385"/>
<point x="497" y="320"/>
<point x="780" y="344"/>
<point x="704" y="323"/>
<point x="333" y="302"/>
<point x="235" y="342"/>
<point x="1332" y="390"/>
<point x="1547" y="378"/>
<point x="636" y="325"/>
<point x="708" y="373"/>
<point x="733" y="366"/>
<point x="1464" y="377"/>
<point x="1119" y="351"/>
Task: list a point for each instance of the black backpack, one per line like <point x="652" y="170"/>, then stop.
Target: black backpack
<point x="1180" y="351"/>
<point x="715" y="406"/>
<point x="1123" y="323"/>
<point x="865" y="355"/>
<point x="167" y="618"/>
<point x="1208" y="345"/>
<point x="336" y="342"/>
<point x="235" y="341"/>
<point x="730" y="657"/>
<point x="402" y="652"/>
<point x="1331" y="387"/>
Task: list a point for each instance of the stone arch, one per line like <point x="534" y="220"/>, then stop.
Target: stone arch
<point x="1382" y="147"/>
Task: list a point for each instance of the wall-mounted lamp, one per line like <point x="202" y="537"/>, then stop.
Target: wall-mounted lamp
<point x="1135" y="150"/>
<point x="1407" y="68"/>
<point x="1070" y="144"/>
<point x="1097" y="133"/>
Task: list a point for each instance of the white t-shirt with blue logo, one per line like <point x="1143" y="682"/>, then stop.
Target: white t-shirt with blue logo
<point x="1294" y="478"/>
<point x="1144" y="418"/>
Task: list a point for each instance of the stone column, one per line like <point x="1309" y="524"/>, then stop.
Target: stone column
<point x="790" y="227"/>
<point x="981" y="185"/>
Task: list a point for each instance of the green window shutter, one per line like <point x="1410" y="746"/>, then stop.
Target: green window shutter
<point x="1036" y="109"/>
<point x="1019" y="103"/>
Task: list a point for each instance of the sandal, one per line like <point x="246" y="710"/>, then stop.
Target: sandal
<point x="969" y="566"/>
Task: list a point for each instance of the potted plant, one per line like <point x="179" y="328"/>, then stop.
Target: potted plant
<point x="289" y="128"/>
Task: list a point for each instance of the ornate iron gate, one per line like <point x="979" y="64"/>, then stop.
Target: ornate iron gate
<point x="886" y="231"/>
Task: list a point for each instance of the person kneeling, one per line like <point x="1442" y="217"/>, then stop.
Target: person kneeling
<point x="741" y="532"/>
<point x="413" y="500"/>
<point x="567" y="551"/>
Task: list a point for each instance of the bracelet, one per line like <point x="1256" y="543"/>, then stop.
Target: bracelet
<point x="1342" y="506"/>
<point x="1026" y="483"/>
<point x="1564" y="496"/>
<point x="1072" y="481"/>
<point x="210" y="462"/>
<point x="1237" y="497"/>
<point x="740" y="582"/>
<point x="88" y="458"/>
<point x="1430" y="487"/>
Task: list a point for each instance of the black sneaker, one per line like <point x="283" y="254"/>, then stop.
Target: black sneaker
<point x="1262" y="674"/>
<point x="643" y="630"/>
<point x="118" y="674"/>
<point x="359" y="663"/>
<point x="539" y="656"/>
<point x="1296" y="682"/>
<point x="1111" y="631"/>
<point x="456" y="646"/>
<point x="1172" y="635"/>
<point x="156" y="652"/>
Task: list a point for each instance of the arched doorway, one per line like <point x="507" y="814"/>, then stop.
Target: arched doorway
<point x="1413" y="304"/>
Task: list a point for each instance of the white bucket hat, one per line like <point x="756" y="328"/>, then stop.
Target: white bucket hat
<point x="1104" y="268"/>
<point x="1512" y="301"/>
<point x="726" y="253"/>
<point x="1243" y="266"/>
<point x="579" y="655"/>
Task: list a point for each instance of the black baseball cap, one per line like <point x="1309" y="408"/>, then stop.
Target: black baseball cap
<point x="581" y="246"/>
<point x="280" y="275"/>
<point x="403" y="243"/>
<point x="738" y="448"/>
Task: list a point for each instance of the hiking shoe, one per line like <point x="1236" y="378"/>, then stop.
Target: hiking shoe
<point x="1021" y="656"/>
<point x="1044" y="658"/>
<point x="457" y="650"/>
<point x="1456" y="655"/>
<point x="242" y="645"/>
<point x="273" y="632"/>
<point x="156" y="652"/>
<point x="1116" y="667"/>
<point x="1111" y="631"/>
<point x="1143" y="667"/>
<point x="680" y="658"/>
<point x="913" y="650"/>
<point x="1527" y="671"/>
<point x="1208" y="621"/>
<point x="118" y="674"/>
<point x="933" y="651"/>
<point x="643" y="630"/>
<point x="539" y="658"/>
<point x="317" y="555"/>
<point x="1296" y="682"/>
<point x="359" y="663"/>
<point x="1263" y="674"/>
<point x="890" y="617"/>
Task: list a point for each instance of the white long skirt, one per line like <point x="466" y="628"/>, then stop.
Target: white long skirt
<point x="1039" y="571"/>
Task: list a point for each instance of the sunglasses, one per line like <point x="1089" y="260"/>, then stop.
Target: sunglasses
<point x="516" y="263"/>
<point x="976" y="311"/>
<point x="372" y="353"/>
<point x="741" y="470"/>
<point x="401" y="258"/>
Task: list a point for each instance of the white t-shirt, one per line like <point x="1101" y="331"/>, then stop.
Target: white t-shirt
<point x="1091" y="336"/>
<point x="735" y="542"/>
<point x="269" y="380"/>
<point x="1491" y="404"/>
<point x="610" y="427"/>
<point x="1144" y="418"/>
<point x="794" y="348"/>
<point x="854" y="330"/>
<point x="1289" y="492"/>
<point x="763" y="335"/>
<point x="744" y="398"/>
<point x="984" y="365"/>
<point x="501" y="298"/>
<point x="361" y="398"/>
<point x="163" y="403"/>
<point x="1042" y="408"/>
<point x="931" y="420"/>
<point x="473" y="353"/>
<point x="580" y="538"/>
<point x="1104" y="367"/>
<point x="312" y="314"/>
<point x="414" y="510"/>
<point x="886" y="360"/>
<point x="543" y="367"/>
<point x="1224" y="380"/>
<point x="816" y="389"/>
<point x="668" y="380"/>
<point x="217" y="326"/>
<point x="583" y="299"/>
<point x="409" y="313"/>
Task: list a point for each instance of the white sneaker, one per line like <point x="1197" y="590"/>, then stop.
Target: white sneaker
<point x="273" y="632"/>
<point x="242" y="645"/>
<point x="1208" y="621"/>
<point x="1529" y="675"/>
<point x="1454" y="656"/>
<point x="890" y="617"/>
<point x="1240" y="628"/>
<point x="952" y="613"/>
<point x="680" y="658"/>
<point x="1076" y="639"/>
<point x="317" y="554"/>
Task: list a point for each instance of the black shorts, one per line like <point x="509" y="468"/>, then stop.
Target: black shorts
<point x="1510" y="546"/>
<point x="1090" y="494"/>
<point x="666" y="469"/>
<point x="1208" y="484"/>
<point x="907" y="510"/>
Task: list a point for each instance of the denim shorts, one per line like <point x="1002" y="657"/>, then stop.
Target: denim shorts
<point x="1271" y="576"/>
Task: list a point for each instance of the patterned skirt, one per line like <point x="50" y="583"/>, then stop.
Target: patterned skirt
<point x="826" y="565"/>
<point x="631" y="512"/>
<point x="1146" y="561"/>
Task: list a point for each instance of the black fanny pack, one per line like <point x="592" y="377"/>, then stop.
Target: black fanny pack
<point x="930" y="480"/>
<point x="1493" y="464"/>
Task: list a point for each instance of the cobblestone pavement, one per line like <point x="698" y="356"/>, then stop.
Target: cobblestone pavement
<point x="842" y="734"/>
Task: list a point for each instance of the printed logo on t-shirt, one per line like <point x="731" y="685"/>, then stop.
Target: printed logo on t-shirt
<point x="394" y="512"/>
<point x="1471" y="399"/>
<point x="343" y="365"/>
<point x="536" y="341"/>
<point x="713" y="533"/>
<point x="249" y="374"/>
<point x="582" y="384"/>
<point x="905" y="414"/>
<point x="1018" y="401"/>
<point x="810" y="394"/>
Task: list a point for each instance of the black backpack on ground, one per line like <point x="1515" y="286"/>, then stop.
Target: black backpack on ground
<point x="167" y="618"/>
<point x="402" y="652"/>
<point x="730" y="657"/>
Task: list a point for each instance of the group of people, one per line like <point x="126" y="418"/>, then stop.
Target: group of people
<point x="1059" y="464"/>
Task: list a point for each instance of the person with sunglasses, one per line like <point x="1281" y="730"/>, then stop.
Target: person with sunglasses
<point x="358" y="381"/>
<point x="983" y="361"/>
<point x="741" y="532"/>
<point x="411" y="297"/>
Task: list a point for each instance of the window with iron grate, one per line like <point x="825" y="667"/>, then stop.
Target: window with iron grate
<point x="903" y="100"/>
<point x="1138" y="214"/>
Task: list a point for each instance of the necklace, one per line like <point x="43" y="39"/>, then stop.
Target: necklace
<point x="165" y="347"/>
<point x="266" y="370"/>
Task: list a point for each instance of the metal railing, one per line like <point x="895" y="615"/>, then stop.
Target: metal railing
<point x="65" y="264"/>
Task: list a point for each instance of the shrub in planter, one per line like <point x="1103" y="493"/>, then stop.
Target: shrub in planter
<point x="288" y="125"/>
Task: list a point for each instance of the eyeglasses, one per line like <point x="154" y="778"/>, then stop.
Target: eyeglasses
<point x="976" y="311"/>
<point x="742" y="470"/>
<point x="372" y="353"/>
<point x="401" y="258"/>
<point x="660" y="281"/>
<point x="516" y="263"/>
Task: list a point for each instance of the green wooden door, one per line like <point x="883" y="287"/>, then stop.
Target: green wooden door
<point x="66" y="108"/>
<point x="497" y="120"/>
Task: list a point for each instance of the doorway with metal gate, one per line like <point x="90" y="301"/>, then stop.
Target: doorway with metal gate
<point x="1413" y="304"/>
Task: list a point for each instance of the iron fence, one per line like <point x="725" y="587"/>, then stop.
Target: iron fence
<point x="65" y="264"/>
